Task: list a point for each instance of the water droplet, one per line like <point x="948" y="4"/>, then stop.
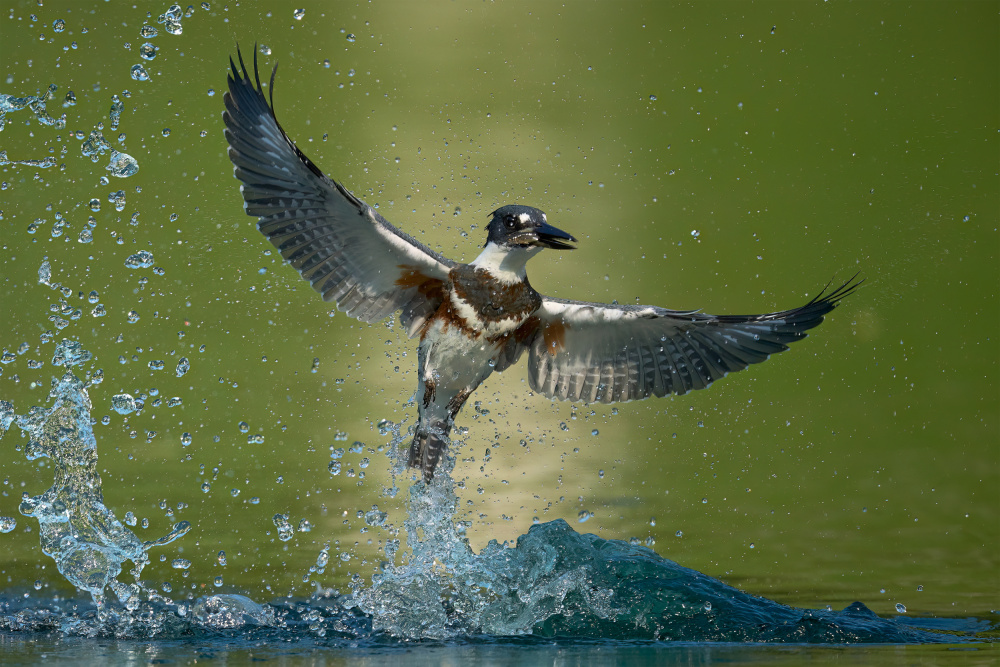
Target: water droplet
<point x="123" y="404"/>
<point x="351" y="37"/>
<point x="285" y="530"/>
<point x="148" y="32"/>
<point x="217" y="581"/>
<point x="900" y="608"/>
<point x="594" y="432"/>
<point x="156" y="365"/>
<point x="222" y="558"/>
<point x="140" y="260"/>
<point x="679" y="533"/>
<point x="45" y="273"/>
<point x="139" y="73"/>
<point x="118" y="199"/>
<point x="244" y="427"/>
<point x="652" y="98"/>
<point x="132" y="317"/>
<point x="298" y="14"/>
<point x="147" y="52"/>
<point x="7" y="524"/>
<point x="171" y="20"/>
<point x="185" y="439"/>
<point x="122" y="165"/>
<point x="583" y="516"/>
<point x="180" y="563"/>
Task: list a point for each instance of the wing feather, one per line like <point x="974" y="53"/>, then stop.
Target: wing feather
<point x="348" y="252"/>
<point x="594" y="352"/>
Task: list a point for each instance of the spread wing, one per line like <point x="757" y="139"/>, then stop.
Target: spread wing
<point x="592" y="352"/>
<point x="348" y="252"/>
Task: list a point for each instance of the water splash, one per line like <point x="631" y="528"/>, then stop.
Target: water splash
<point x="43" y="163"/>
<point x="95" y="145"/>
<point x="88" y="543"/>
<point x="555" y="582"/>
<point x="37" y="104"/>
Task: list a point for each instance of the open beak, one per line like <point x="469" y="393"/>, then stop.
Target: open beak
<point x="548" y="236"/>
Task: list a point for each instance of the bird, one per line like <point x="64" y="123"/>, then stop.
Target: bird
<point x="480" y="318"/>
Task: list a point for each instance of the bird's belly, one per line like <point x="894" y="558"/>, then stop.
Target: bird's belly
<point x="451" y="358"/>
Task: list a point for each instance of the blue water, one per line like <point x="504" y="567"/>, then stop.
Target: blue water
<point x="559" y="584"/>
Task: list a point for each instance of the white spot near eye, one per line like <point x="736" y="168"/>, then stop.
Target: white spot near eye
<point x="544" y="219"/>
<point x="525" y="218"/>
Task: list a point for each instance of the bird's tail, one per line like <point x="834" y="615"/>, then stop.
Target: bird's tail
<point x="426" y="449"/>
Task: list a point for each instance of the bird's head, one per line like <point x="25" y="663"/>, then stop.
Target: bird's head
<point x="516" y="226"/>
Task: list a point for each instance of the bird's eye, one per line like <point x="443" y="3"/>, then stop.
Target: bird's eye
<point x="508" y="222"/>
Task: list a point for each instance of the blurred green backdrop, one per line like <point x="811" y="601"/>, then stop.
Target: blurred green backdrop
<point x="708" y="155"/>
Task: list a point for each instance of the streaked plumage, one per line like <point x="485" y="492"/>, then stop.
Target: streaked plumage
<point x="474" y="319"/>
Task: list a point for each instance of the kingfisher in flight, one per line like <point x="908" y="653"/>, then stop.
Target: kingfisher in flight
<point x="479" y="318"/>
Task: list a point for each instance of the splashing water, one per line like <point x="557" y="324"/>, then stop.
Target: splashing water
<point x="36" y="103"/>
<point x="88" y="543"/>
<point x="554" y="582"/>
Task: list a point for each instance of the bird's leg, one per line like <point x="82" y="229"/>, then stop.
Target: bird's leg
<point x="434" y="424"/>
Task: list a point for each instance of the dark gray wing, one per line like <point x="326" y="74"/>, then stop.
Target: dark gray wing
<point x="597" y="352"/>
<point x="348" y="252"/>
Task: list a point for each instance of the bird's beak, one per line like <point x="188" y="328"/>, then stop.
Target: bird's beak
<point x="547" y="236"/>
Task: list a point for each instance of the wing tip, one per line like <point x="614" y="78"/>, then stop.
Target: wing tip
<point x="840" y="293"/>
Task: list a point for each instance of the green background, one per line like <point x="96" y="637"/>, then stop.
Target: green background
<point x="802" y="141"/>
